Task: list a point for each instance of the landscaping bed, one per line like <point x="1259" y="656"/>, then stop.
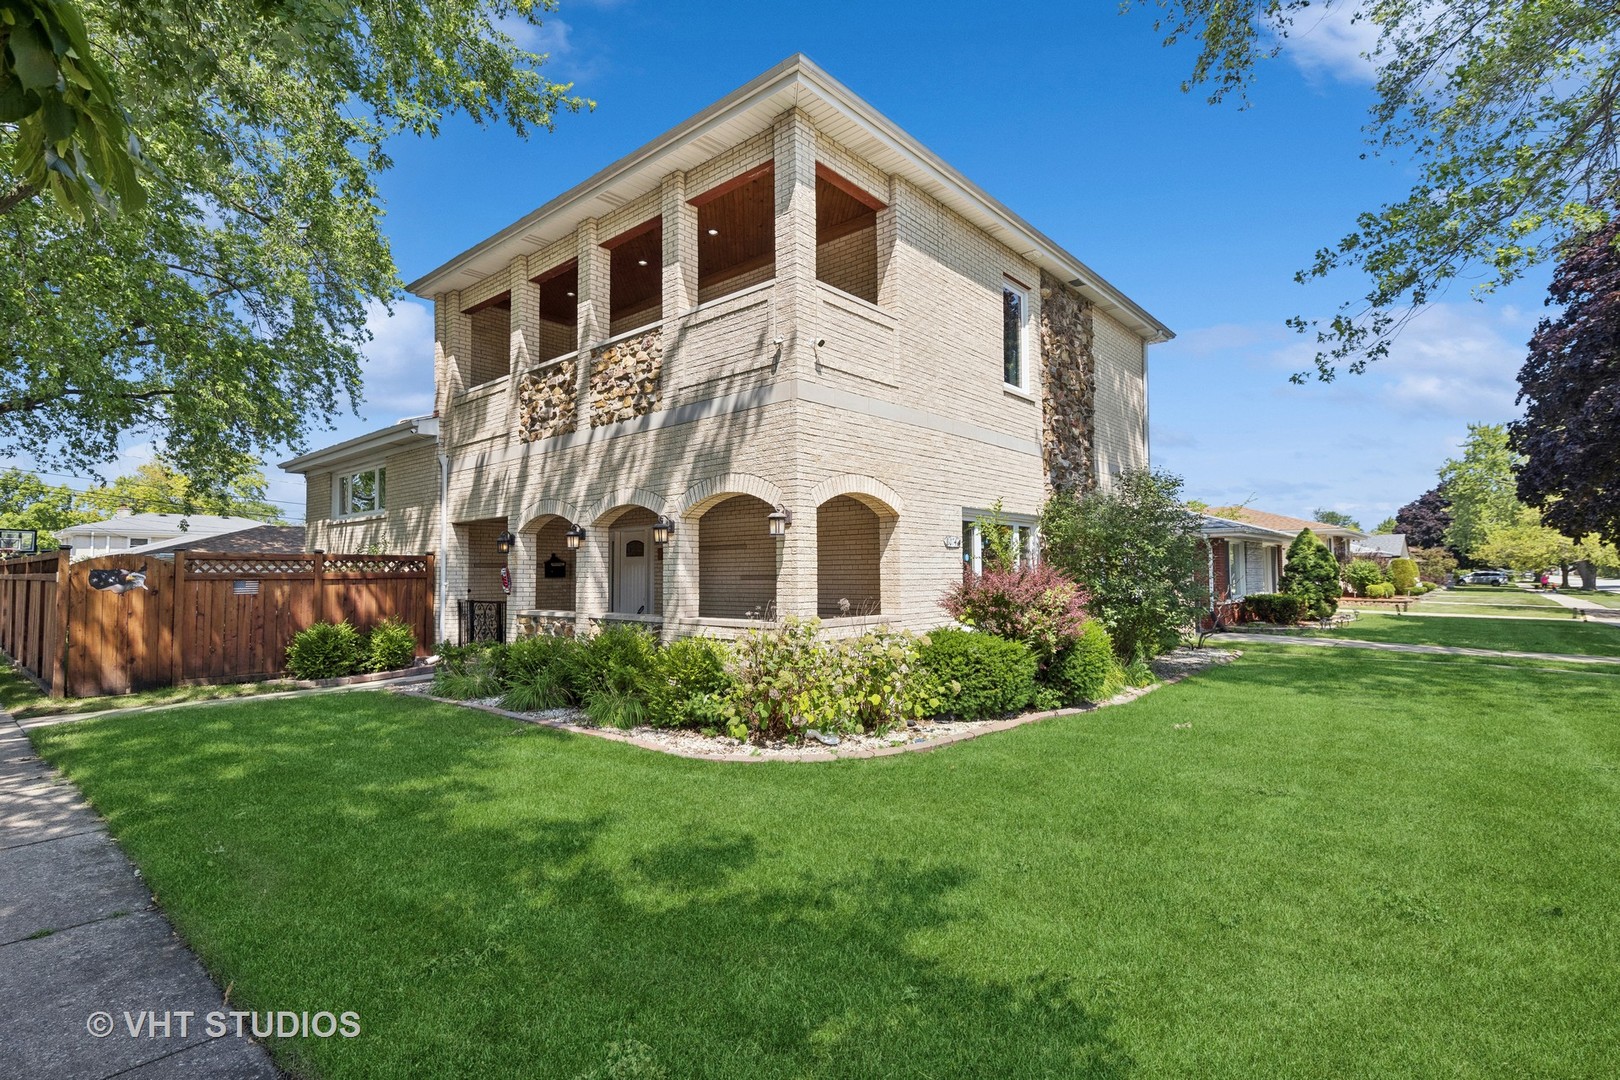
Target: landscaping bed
<point x="920" y="734"/>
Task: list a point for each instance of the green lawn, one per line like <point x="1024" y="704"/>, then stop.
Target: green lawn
<point x="1596" y="599"/>
<point x="1304" y="864"/>
<point x="1511" y="635"/>
<point x="23" y="699"/>
<point x="1487" y="595"/>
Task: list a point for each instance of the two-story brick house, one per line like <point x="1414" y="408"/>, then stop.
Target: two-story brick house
<point x="773" y="362"/>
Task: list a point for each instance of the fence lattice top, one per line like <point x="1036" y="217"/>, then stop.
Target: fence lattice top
<point x="247" y="566"/>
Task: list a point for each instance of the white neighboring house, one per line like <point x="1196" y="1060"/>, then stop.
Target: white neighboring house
<point x="128" y="530"/>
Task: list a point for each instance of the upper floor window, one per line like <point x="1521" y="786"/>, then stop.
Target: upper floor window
<point x="736" y="240"/>
<point x="362" y="492"/>
<point x="846" y="235"/>
<point x="491" y="326"/>
<point x="636" y="277"/>
<point x="1014" y="334"/>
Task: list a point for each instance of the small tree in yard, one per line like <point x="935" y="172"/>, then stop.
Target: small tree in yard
<point x="1312" y="574"/>
<point x="1434" y="563"/>
<point x="1137" y="552"/>
<point x="1363" y="572"/>
<point x="1403" y="573"/>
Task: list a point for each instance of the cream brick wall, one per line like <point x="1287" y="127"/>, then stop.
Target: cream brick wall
<point x="1121" y="434"/>
<point x="408" y="524"/>
<point x="849" y="558"/>
<point x="903" y="409"/>
<point x="736" y="560"/>
<point x="491" y="342"/>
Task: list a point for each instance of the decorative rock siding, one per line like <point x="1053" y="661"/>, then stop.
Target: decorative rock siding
<point x="626" y="379"/>
<point x="1069" y="387"/>
<point x="546" y="401"/>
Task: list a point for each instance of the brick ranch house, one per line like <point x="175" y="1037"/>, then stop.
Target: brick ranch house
<point x="775" y="361"/>
<point x="1248" y="550"/>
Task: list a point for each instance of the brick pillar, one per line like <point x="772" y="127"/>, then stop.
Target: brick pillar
<point x="796" y="243"/>
<point x="888" y="231"/>
<point x="453" y="331"/>
<point x="523" y="562"/>
<point x="680" y="575"/>
<point x="680" y="251"/>
<point x="592" y="569"/>
<point x="595" y="298"/>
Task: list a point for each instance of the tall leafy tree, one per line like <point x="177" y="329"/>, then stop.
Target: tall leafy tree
<point x="1527" y="543"/>
<point x="27" y="502"/>
<point x="1425" y="519"/>
<point x="1481" y="487"/>
<point x="1335" y="517"/>
<point x="228" y="313"/>
<point x="1137" y="552"/>
<point x="1570" y="388"/>
<point x="1505" y="110"/>
<point x="156" y="488"/>
<point x="1386" y="527"/>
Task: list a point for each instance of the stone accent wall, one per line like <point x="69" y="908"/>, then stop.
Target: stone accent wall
<point x="626" y="379"/>
<point x="546" y="401"/>
<point x="1068" y="387"/>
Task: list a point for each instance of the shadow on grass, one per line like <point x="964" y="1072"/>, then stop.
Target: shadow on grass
<point x="430" y="869"/>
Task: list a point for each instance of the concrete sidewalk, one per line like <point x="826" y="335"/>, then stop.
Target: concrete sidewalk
<point x="79" y="936"/>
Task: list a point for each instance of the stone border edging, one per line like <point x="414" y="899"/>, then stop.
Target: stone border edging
<point x="746" y="756"/>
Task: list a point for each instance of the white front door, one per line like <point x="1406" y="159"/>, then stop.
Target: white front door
<point x="633" y="564"/>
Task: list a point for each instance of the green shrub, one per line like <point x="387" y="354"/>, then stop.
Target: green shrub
<point x="610" y="674"/>
<point x="1036" y="605"/>
<point x="1138" y="673"/>
<point x="391" y="645"/>
<point x="1403" y="573"/>
<point x="325" y="651"/>
<point x="689" y="684"/>
<point x="1362" y="574"/>
<point x="979" y="675"/>
<point x="1082" y="672"/>
<point x="534" y="673"/>
<point x="467" y="672"/>
<point x="1312" y="574"/>
<point x="1279" y="608"/>
<point x="788" y="680"/>
<point x="1382" y="591"/>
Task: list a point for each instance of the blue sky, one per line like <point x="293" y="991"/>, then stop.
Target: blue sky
<point x="1072" y="115"/>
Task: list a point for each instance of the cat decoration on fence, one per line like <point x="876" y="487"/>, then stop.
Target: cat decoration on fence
<point x="117" y="581"/>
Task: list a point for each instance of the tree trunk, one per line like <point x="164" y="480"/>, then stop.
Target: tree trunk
<point x="1588" y="574"/>
<point x="1563" y="568"/>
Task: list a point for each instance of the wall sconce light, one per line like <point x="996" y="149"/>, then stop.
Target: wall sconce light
<point x="779" y="519"/>
<point x="662" y="528"/>
<point x="504" y="542"/>
<point x="575" y="535"/>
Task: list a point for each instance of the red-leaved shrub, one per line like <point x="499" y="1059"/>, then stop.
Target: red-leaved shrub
<point x="1039" y="606"/>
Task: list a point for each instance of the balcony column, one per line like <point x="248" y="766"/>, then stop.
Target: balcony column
<point x="453" y="342"/>
<point x="680" y="252"/>
<point x="796" y="309"/>
<point x="593" y="560"/>
<point x="795" y="297"/>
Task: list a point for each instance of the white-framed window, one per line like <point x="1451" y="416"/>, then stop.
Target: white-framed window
<point x="1014" y="334"/>
<point x="364" y="491"/>
<point x="1025" y="537"/>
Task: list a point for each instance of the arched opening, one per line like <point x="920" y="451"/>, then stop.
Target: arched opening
<point x="850" y="539"/>
<point x="555" y="579"/>
<point x="736" y="560"/>
<point x="635" y="563"/>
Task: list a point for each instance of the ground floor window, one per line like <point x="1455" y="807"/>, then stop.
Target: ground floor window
<point x="1019" y="529"/>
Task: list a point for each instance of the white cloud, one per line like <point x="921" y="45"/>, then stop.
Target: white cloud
<point x="1333" y="39"/>
<point x="398" y="368"/>
<point x="550" y="37"/>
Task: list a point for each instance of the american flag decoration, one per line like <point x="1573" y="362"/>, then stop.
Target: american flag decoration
<point x="117" y="581"/>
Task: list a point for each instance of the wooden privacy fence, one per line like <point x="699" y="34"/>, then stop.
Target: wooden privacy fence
<point x="33" y="613"/>
<point x="206" y="617"/>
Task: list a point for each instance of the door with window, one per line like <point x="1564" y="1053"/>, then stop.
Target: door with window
<point x="633" y="564"/>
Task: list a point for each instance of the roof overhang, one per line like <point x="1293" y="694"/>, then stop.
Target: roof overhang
<point x="1219" y="528"/>
<point x="746" y="112"/>
<point x="372" y="444"/>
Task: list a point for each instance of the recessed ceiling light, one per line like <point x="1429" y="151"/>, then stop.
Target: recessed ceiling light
<point x="570" y="294"/>
<point x="714" y="232"/>
<point x="641" y="262"/>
